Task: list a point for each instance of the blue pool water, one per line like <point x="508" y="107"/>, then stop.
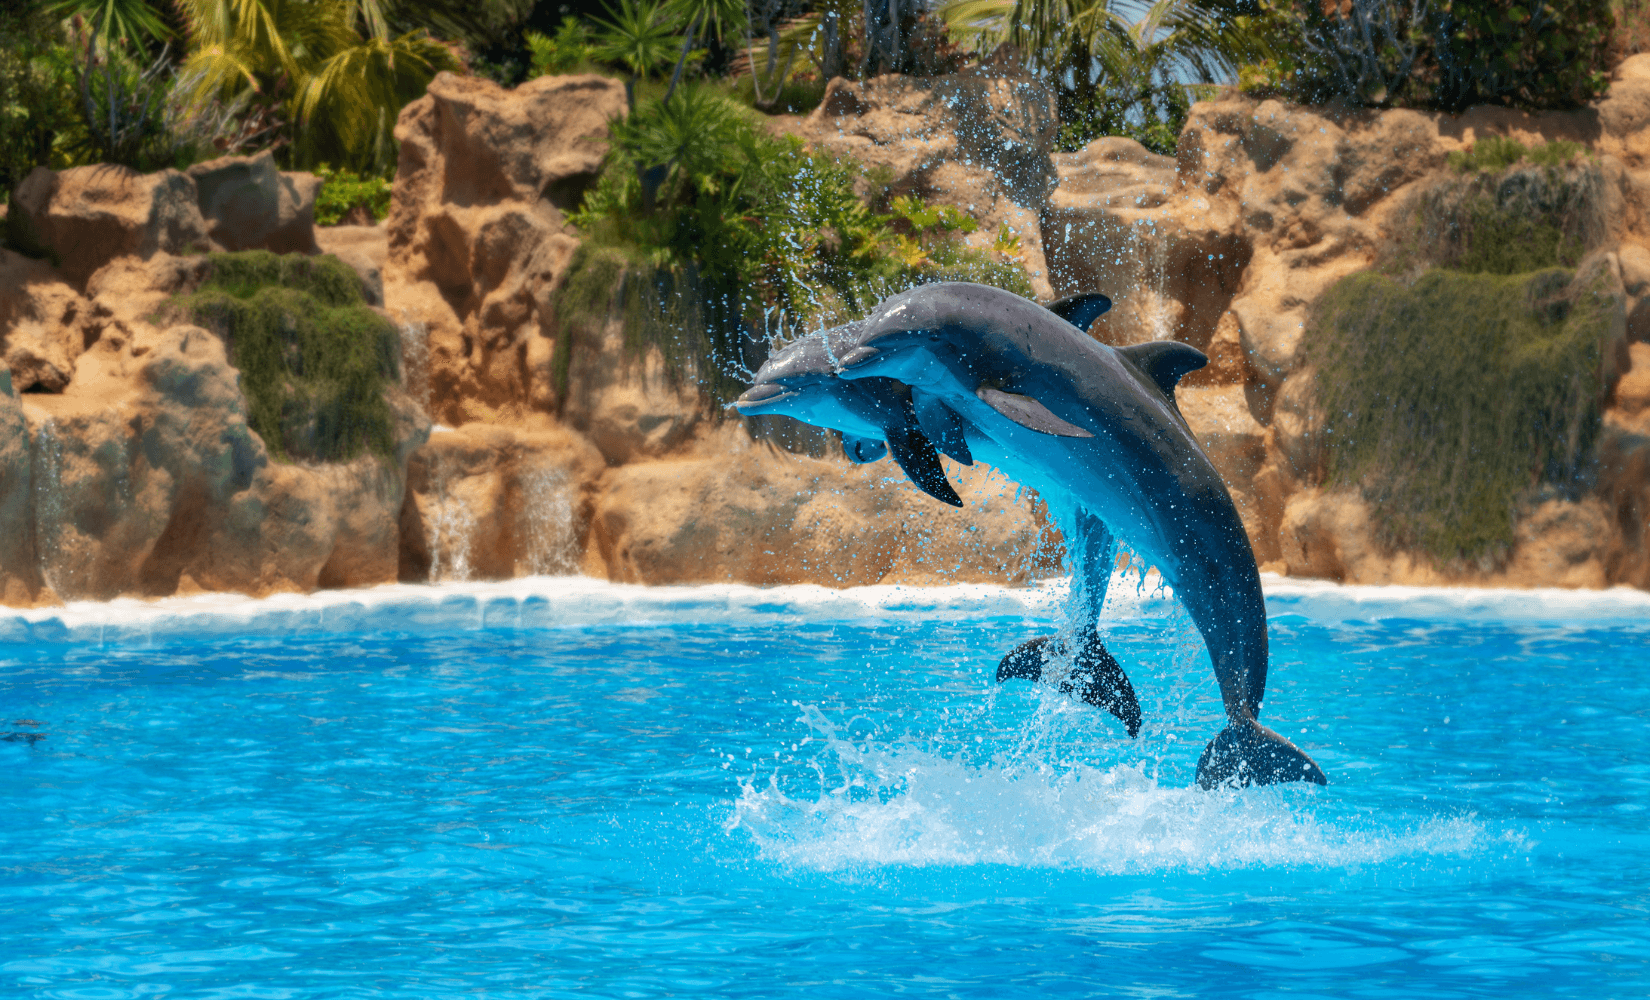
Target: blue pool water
<point x="559" y="788"/>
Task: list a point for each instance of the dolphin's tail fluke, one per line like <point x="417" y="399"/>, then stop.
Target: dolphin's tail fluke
<point x="1096" y="677"/>
<point x="1247" y="753"/>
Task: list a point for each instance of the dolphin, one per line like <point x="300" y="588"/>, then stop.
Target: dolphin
<point x="874" y="416"/>
<point x="1095" y="430"/>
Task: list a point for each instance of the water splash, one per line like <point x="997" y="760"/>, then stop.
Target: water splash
<point x="1158" y="311"/>
<point x="876" y="804"/>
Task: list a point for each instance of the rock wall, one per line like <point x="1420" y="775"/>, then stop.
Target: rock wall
<point x="127" y="467"/>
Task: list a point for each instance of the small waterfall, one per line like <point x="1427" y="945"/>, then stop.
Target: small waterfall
<point x="1157" y="310"/>
<point x="415" y="359"/>
<point x="49" y="508"/>
<point x="549" y="532"/>
<point x="449" y="527"/>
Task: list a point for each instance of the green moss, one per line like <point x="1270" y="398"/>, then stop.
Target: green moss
<point x="314" y="358"/>
<point x="1524" y="219"/>
<point x="1496" y="153"/>
<point x="1445" y="400"/>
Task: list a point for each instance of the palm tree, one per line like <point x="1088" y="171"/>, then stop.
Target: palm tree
<point x="714" y="15"/>
<point x="1106" y="67"/>
<point x="346" y="77"/>
<point x="638" y="37"/>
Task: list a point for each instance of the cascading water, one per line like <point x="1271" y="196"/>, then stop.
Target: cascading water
<point x="549" y="529"/>
<point x="415" y="359"/>
<point x="49" y="512"/>
<point x="449" y="527"/>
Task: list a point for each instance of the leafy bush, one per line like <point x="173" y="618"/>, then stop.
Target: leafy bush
<point x="342" y="192"/>
<point x="1443" y="54"/>
<point x="733" y="237"/>
<point x="569" y="49"/>
<point x="37" y="92"/>
<point x="1446" y="400"/>
<point x="314" y="358"/>
<point x="1510" y="211"/>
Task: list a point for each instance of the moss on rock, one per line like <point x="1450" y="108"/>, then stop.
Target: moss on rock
<point x="1446" y="399"/>
<point x="314" y="358"/>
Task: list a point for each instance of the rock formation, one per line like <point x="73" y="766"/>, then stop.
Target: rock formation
<point x="127" y="465"/>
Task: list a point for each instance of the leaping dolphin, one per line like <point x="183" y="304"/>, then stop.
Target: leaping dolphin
<point x="1095" y="430"/>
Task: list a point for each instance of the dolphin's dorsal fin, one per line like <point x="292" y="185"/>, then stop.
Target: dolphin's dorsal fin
<point x="1081" y="310"/>
<point x="1164" y="361"/>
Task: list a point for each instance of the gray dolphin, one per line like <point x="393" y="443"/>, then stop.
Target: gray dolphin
<point x="1096" y="432"/>
<point x="800" y="380"/>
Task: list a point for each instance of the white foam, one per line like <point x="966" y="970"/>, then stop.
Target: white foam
<point x="573" y="602"/>
<point x="906" y="806"/>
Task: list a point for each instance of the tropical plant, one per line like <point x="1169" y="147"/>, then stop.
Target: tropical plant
<point x="332" y="63"/>
<point x="562" y="52"/>
<point x="344" y="194"/>
<point x="638" y="36"/>
<point x="1114" y="75"/>
<point x="37" y="93"/>
<point x="715" y="17"/>
<point x="1444" y="54"/>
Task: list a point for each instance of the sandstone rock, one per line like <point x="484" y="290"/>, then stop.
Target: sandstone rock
<point x="147" y="480"/>
<point x="476" y="234"/>
<point x="43" y="324"/>
<point x="1119" y="223"/>
<point x="1624" y="489"/>
<point x="489" y="502"/>
<point x="1236" y="444"/>
<point x="1633" y="390"/>
<point x="365" y="249"/>
<point x="629" y="408"/>
<point x="88" y="216"/>
<point x="762" y="516"/>
<point x="977" y="140"/>
<point x="247" y="204"/>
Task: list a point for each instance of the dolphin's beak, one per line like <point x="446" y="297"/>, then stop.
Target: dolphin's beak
<point x="764" y="392"/>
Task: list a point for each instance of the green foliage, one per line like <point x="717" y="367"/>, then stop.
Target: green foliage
<point x="314" y="358"/>
<point x="1446" y="400"/>
<point x="639" y="36"/>
<point x="1522" y="218"/>
<point x="37" y="93"/>
<point x="1113" y="75"/>
<point x="570" y="48"/>
<point x="1497" y="153"/>
<point x="341" y="191"/>
<point x="333" y="65"/>
<point x="1446" y="55"/>
<point x="748" y="232"/>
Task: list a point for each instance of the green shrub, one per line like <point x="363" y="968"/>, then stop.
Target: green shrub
<point x="730" y="238"/>
<point x="1447" y="55"/>
<point x="1444" y="401"/>
<point x="1506" y="220"/>
<point x="341" y="191"/>
<point x="314" y="358"/>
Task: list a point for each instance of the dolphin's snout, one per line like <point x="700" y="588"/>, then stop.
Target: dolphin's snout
<point x="762" y="392"/>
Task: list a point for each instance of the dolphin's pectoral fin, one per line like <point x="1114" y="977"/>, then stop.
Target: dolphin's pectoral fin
<point x="1096" y="678"/>
<point x="1027" y="412"/>
<point x="862" y="450"/>
<point x="1165" y="362"/>
<point x="1100" y="681"/>
<point x="1248" y="753"/>
<point x="1081" y="310"/>
<point x="943" y="427"/>
<point x="916" y="455"/>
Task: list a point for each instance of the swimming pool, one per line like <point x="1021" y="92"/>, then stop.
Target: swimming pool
<point x="557" y="787"/>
